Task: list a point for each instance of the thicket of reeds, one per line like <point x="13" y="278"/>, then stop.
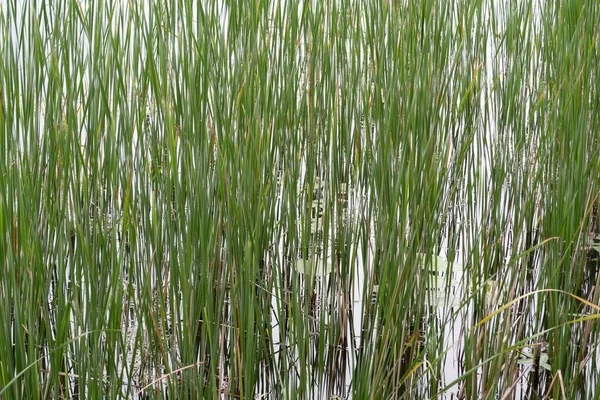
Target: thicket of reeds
<point x="278" y="199"/>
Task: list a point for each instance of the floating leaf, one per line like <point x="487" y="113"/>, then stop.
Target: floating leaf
<point x="528" y="360"/>
<point x="441" y="265"/>
<point x="313" y="267"/>
<point x="443" y="281"/>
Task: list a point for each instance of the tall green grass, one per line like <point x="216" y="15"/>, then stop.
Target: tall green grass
<point x="254" y="199"/>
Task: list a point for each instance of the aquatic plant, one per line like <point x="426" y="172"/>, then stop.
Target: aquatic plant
<point x="252" y="199"/>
